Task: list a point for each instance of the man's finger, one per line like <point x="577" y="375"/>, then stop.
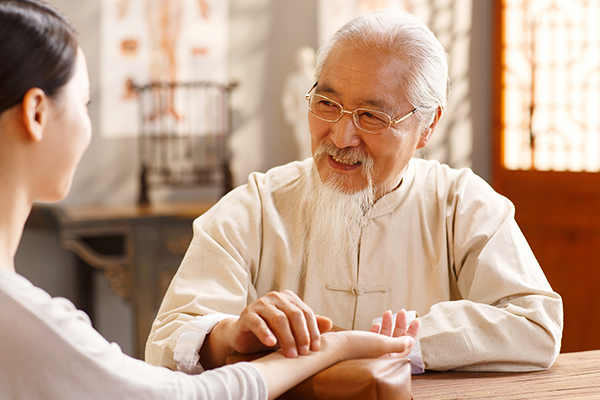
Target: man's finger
<point x="313" y="324"/>
<point x="252" y="322"/>
<point x="301" y="322"/>
<point x="280" y="323"/>
<point x="306" y="327"/>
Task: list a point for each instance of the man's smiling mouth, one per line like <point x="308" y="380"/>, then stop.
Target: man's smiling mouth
<point x="345" y="162"/>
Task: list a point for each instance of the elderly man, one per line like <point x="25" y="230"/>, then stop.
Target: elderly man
<point x="361" y="228"/>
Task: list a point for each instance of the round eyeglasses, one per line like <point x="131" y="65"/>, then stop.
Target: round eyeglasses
<point x="371" y="121"/>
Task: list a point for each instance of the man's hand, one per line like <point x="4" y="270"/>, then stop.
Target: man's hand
<point x="278" y="319"/>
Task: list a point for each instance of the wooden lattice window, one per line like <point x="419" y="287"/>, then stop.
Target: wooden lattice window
<point x="550" y="85"/>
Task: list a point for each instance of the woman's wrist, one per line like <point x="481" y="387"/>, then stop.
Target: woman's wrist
<point x="337" y="344"/>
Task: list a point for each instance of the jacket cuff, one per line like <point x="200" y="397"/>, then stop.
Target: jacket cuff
<point x="187" y="350"/>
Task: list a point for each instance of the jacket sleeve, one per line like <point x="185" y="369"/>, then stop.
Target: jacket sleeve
<point x="506" y="316"/>
<point x="216" y="274"/>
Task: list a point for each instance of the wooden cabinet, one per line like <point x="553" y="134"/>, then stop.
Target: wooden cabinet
<point x="138" y="249"/>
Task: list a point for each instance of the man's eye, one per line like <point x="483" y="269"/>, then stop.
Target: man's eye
<point x="328" y="106"/>
<point x="371" y="116"/>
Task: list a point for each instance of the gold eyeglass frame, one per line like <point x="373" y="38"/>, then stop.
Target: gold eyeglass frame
<point x="355" y="116"/>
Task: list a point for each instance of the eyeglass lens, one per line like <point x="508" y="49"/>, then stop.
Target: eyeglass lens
<point x="368" y="120"/>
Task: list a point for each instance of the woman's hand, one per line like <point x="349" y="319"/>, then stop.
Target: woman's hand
<point x="360" y="344"/>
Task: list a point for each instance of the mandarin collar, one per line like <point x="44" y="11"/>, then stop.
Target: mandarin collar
<point x="388" y="203"/>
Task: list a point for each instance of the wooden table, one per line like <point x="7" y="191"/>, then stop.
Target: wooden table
<point x="573" y="376"/>
<point x="138" y="249"/>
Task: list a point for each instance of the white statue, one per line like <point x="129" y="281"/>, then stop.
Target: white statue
<point x="295" y="107"/>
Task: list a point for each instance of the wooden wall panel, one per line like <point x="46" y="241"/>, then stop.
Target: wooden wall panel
<point x="559" y="214"/>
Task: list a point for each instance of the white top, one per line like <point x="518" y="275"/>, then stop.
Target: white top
<point x="444" y="244"/>
<point x="49" y="350"/>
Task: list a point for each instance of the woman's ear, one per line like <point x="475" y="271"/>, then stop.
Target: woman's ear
<point x="35" y="113"/>
<point x="426" y="135"/>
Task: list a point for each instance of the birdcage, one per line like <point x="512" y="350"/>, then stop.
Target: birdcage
<point x="184" y="129"/>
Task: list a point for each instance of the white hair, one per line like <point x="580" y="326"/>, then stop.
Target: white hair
<point x="404" y="35"/>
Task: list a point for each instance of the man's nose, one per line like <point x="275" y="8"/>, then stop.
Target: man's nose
<point x="344" y="132"/>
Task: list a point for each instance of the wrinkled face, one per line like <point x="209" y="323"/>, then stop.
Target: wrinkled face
<point x="68" y="132"/>
<point x="364" y="78"/>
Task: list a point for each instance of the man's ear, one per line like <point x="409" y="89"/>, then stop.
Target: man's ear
<point x="35" y="113"/>
<point x="426" y="135"/>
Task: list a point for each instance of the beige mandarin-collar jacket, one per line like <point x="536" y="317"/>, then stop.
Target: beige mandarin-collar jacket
<point x="443" y="244"/>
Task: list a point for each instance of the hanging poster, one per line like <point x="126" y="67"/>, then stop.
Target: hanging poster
<point x="168" y="41"/>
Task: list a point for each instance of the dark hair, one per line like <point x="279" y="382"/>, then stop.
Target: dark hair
<point x="38" y="48"/>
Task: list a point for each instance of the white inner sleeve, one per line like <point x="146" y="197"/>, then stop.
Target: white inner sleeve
<point x="187" y="350"/>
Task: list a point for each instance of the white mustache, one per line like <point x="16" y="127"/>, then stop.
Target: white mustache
<point x="325" y="149"/>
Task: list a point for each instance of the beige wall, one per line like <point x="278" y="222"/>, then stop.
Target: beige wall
<point x="263" y="37"/>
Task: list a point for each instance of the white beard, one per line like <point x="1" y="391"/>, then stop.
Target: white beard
<point x="334" y="221"/>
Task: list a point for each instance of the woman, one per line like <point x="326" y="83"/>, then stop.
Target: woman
<point x="48" y="349"/>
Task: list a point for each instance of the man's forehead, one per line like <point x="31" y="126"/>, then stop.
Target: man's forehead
<point x="367" y="75"/>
